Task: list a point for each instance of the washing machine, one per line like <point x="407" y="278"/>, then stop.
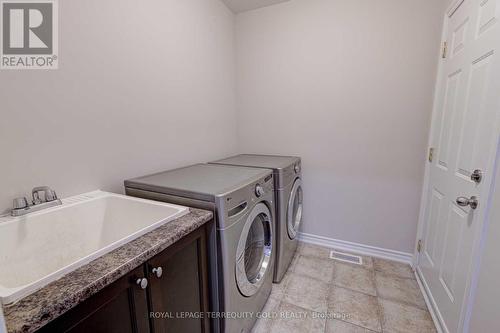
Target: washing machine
<point x="242" y="200"/>
<point x="288" y="198"/>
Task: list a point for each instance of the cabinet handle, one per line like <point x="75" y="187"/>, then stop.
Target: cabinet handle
<point x="158" y="271"/>
<point x="143" y="283"/>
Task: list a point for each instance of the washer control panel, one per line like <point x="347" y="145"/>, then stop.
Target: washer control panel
<point x="259" y="190"/>
<point x="297" y="168"/>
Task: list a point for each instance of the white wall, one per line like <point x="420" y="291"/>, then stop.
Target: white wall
<point x="142" y="87"/>
<point x="149" y="87"/>
<point x="347" y="85"/>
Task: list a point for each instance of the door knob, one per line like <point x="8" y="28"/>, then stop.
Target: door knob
<point x="143" y="283"/>
<point x="158" y="271"/>
<point x="476" y="176"/>
<point x="472" y="202"/>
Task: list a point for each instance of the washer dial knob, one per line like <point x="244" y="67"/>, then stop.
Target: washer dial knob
<point x="259" y="190"/>
<point x="297" y="168"/>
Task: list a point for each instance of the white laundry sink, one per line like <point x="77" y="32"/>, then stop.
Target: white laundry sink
<point x="40" y="247"/>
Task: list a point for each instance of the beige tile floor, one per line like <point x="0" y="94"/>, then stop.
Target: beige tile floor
<point x="322" y="295"/>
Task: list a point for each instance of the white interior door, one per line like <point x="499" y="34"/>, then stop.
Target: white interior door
<point x="464" y="136"/>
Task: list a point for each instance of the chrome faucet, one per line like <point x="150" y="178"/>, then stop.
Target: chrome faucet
<point x="22" y="207"/>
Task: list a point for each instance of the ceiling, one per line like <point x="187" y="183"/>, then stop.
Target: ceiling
<point x="238" y="6"/>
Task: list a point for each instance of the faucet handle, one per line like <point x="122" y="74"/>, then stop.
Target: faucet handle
<point x="50" y="195"/>
<point x="20" y="203"/>
<point x="36" y="196"/>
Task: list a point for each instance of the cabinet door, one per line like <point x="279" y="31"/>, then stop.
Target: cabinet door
<point x="178" y="298"/>
<point x="120" y="307"/>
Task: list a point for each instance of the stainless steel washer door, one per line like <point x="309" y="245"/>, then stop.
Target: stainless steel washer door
<point x="294" y="212"/>
<point x="253" y="256"/>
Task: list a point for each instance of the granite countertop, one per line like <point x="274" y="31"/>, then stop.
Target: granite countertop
<point x="33" y="311"/>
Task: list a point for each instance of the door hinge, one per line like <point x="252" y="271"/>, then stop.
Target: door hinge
<point x="431" y="154"/>
<point x="419" y="246"/>
<point x="445" y="50"/>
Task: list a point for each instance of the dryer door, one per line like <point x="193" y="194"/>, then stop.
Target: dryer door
<point x="253" y="256"/>
<point x="294" y="211"/>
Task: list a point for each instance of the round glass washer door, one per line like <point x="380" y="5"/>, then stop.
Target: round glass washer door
<point x="294" y="212"/>
<point x="253" y="255"/>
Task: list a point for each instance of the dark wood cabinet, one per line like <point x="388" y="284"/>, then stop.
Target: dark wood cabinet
<point x="121" y="307"/>
<point x="175" y="299"/>
<point x="178" y="293"/>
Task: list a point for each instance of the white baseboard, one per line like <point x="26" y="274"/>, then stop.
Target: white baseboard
<point x="378" y="252"/>
<point x="357" y="248"/>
